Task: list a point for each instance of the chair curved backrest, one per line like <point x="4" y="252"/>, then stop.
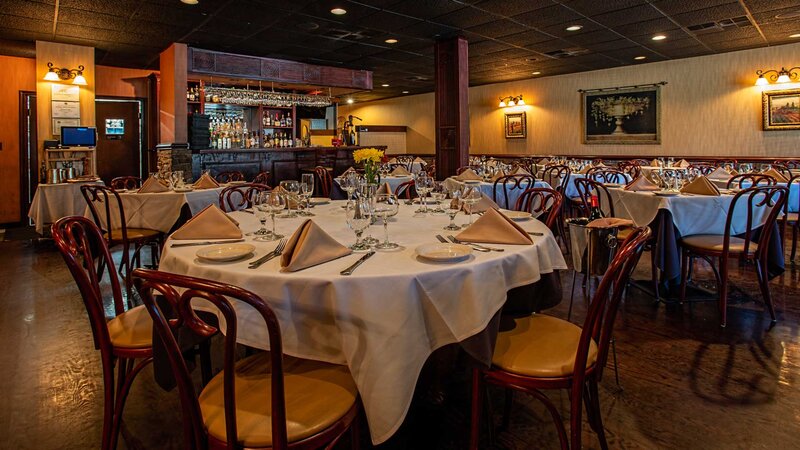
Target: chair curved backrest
<point x="463" y="168"/>
<point x="704" y="169"/>
<point x="262" y="178"/>
<point x="557" y="176"/>
<point x="745" y="180"/>
<point x="406" y="190"/>
<point x="179" y="292"/>
<point x="789" y="163"/>
<point x="227" y="177"/>
<point x="586" y="188"/>
<point x="509" y="183"/>
<point x="82" y="245"/>
<point x="783" y="170"/>
<point x="606" y="175"/>
<point x="130" y="183"/>
<point x="240" y="196"/>
<point x="430" y="170"/>
<point x="754" y="201"/>
<point x="112" y="215"/>
<point x="324" y="180"/>
<point x="541" y="201"/>
<point x="630" y="168"/>
<point x="406" y="161"/>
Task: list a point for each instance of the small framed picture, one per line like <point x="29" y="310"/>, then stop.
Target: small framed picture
<point x="516" y="126"/>
<point x="781" y="109"/>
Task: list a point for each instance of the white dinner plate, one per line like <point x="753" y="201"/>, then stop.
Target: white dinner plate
<point x="121" y="191"/>
<point x="237" y="182"/>
<point x="667" y="193"/>
<point x="472" y="182"/>
<point x="319" y="200"/>
<point x="225" y="252"/>
<point x="183" y="189"/>
<point x="444" y="252"/>
<point x="515" y="215"/>
<point x="614" y="185"/>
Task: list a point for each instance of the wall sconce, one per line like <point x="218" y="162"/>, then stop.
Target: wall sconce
<point x="778" y="76"/>
<point x="512" y="101"/>
<point x="62" y="73"/>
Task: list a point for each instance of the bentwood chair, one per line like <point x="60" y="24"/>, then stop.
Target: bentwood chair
<point x="782" y="169"/>
<point x="752" y="204"/>
<point x="745" y="180"/>
<point x="227" y="177"/>
<point x="262" y="178"/>
<point x="632" y="169"/>
<point x="124" y="339"/>
<point x="789" y="163"/>
<point x="542" y="352"/>
<point x="108" y="213"/>
<point x="240" y="196"/>
<point x="704" y="169"/>
<point x="507" y="184"/>
<point x="266" y="400"/>
<point x="407" y="161"/>
<point x="791" y="218"/>
<point x="406" y="190"/>
<point x="606" y="175"/>
<point x="544" y="203"/>
<point x="324" y="180"/>
<point x="130" y="183"/>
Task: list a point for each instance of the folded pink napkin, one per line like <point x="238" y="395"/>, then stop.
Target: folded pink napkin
<point x="310" y="245"/>
<point x="585" y="169"/>
<point x="719" y="174"/>
<point x="401" y="171"/>
<point x="495" y="228"/>
<point x="642" y="184"/>
<point x="468" y="175"/>
<point x="777" y="175"/>
<point x="483" y="205"/>
<point x="420" y="161"/>
<point x="610" y="222"/>
<point x="521" y="171"/>
<point x="384" y="189"/>
<point x="497" y="175"/>
<point x="210" y="223"/>
<point x="205" y="182"/>
<point x="683" y="163"/>
<point x="152" y="185"/>
<point x="700" y="186"/>
<point x="655" y="163"/>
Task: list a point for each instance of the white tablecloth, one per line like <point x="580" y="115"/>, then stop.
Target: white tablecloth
<point x="159" y="211"/>
<point x="691" y="214"/>
<point x="54" y="201"/>
<point x="793" y="201"/>
<point x="386" y="319"/>
<point x="487" y="188"/>
<point x="393" y="181"/>
<point x="571" y="191"/>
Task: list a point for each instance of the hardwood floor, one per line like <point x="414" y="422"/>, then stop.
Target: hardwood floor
<point x="686" y="382"/>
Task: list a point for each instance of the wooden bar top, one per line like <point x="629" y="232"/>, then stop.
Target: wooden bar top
<point x="286" y="149"/>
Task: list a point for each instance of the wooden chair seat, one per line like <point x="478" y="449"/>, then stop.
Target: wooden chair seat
<point x="714" y="243"/>
<point x="317" y="396"/>
<point x="540" y="346"/>
<point x="792" y="217"/>
<point x="133" y="234"/>
<point x="132" y="329"/>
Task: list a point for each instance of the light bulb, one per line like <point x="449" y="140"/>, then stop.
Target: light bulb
<point x="79" y="80"/>
<point x="784" y="78"/>
<point x="502" y="104"/>
<point x="51" y="76"/>
<point x="512" y="102"/>
<point x="761" y="81"/>
<point x="521" y="102"/>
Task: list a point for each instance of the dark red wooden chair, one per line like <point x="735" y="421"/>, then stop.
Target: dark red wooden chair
<point x="704" y="169"/>
<point x="227" y="177"/>
<point x="406" y="190"/>
<point x="240" y="196"/>
<point x="130" y="183"/>
<point x="526" y="358"/>
<point x="125" y="338"/>
<point x="745" y="180"/>
<point x="791" y="219"/>
<point x="323" y="180"/>
<point x="544" y="203"/>
<point x="632" y="169"/>
<point x="266" y="400"/>
<point x="607" y="175"/>
<point x="262" y="178"/>
<point x="505" y="185"/>
<point x="748" y="247"/>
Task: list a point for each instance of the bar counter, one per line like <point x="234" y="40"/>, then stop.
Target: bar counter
<point x="281" y="163"/>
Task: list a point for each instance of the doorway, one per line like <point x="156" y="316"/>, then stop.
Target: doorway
<point x="120" y="138"/>
<point x="28" y="155"/>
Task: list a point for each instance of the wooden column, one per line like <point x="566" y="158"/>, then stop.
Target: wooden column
<point x="452" y="106"/>
<point x="172" y="95"/>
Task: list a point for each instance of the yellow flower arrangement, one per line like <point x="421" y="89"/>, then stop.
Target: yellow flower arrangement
<point x="371" y="157"/>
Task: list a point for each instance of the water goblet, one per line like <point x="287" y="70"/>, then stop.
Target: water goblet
<point x="292" y="188"/>
<point x="453" y="207"/>
<point x="306" y="191"/>
<point x="423" y="184"/>
<point x="438" y="194"/>
<point x="274" y="202"/>
<point x="358" y="220"/>
<point x="386" y="205"/>
<point x="470" y="199"/>
<point x="261" y="213"/>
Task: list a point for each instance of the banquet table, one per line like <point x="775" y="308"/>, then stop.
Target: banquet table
<point x="488" y="189"/>
<point x="793" y="201"/>
<point x="685" y="215"/>
<point x="163" y="210"/>
<point x="386" y="319"/>
<point x="54" y="201"/>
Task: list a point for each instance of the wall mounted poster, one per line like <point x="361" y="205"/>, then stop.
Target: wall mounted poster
<point x="65" y="110"/>
<point x="781" y="109"/>
<point x="65" y="92"/>
<point x="622" y="115"/>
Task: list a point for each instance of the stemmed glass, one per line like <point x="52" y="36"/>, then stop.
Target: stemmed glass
<point x="260" y="211"/>
<point x="273" y="202"/>
<point x="386" y="205"/>
<point x="358" y="218"/>
<point x="349" y="183"/>
<point x="306" y="191"/>
<point x="453" y="207"/>
<point x="292" y="188"/>
<point x="438" y="194"/>
<point x="367" y="193"/>
<point x="470" y="199"/>
<point x="424" y="184"/>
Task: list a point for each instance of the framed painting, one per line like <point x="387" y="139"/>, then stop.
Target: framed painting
<point x="622" y="115"/>
<point x="781" y="110"/>
<point x="516" y="126"/>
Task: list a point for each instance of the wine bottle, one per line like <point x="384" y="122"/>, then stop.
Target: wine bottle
<point x="289" y="119"/>
<point x="595" y="212"/>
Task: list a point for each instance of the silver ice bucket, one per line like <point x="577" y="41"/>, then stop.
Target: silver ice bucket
<point x="593" y="249"/>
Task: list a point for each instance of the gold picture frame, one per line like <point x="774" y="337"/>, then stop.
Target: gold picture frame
<point x="516" y="125"/>
<point x="780" y="110"/>
<point x="622" y="115"/>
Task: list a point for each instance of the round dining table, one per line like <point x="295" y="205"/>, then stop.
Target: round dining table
<point x="391" y="314"/>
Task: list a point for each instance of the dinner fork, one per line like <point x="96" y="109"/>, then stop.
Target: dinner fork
<point x="478" y="247"/>
<point x="275" y="253"/>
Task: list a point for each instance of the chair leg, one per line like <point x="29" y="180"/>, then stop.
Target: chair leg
<point x="763" y="282"/>
<point x="576" y="418"/>
<point x="108" y="402"/>
<point x="684" y="272"/>
<point x="355" y="433"/>
<point x="127" y="374"/>
<point x="616" y="366"/>
<point x="572" y="295"/>
<point x="723" y="292"/>
<point x="594" y="401"/>
<point x="477" y="403"/>
<point x="509" y="402"/>
<point x="654" y="272"/>
<point x="794" y="242"/>
<point x="205" y="361"/>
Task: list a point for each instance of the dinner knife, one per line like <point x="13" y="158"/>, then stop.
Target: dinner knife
<point x="191" y="244"/>
<point x="351" y="269"/>
<point x="478" y="247"/>
<point x="442" y="239"/>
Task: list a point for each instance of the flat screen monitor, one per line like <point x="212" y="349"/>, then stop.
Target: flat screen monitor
<point x="78" y="136"/>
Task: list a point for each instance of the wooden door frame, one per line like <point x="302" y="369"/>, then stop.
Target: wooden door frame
<point x="28" y="166"/>
<point x="144" y="129"/>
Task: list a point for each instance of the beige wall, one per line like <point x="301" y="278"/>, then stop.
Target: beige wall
<point x="709" y="107"/>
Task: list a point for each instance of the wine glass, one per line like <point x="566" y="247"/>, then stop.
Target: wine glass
<point x="386" y="205"/>
<point x="438" y="194"/>
<point x="424" y="184"/>
<point x="358" y="220"/>
<point x="349" y="182"/>
<point x="306" y="191"/>
<point x="453" y="207"/>
<point x="471" y="198"/>
<point x="367" y="193"/>
<point x="261" y="212"/>
<point x="292" y="188"/>
<point x="274" y="202"/>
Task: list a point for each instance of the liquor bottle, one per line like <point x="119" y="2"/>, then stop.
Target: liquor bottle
<point x="267" y="120"/>
<point x="188" y="94"/>
<point x="283" y="120"/>
<point x="208" y="96"/>
<point x="289" y="119"/>
<point x="277" y="121"/>
<point x="595" y="212"/>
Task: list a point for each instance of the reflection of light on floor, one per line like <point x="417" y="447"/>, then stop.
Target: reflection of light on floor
<point x="786" y="366"/>
<point x="30" y="317"/>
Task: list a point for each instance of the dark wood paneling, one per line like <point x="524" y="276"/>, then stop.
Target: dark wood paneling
<point x="451" y="106"/>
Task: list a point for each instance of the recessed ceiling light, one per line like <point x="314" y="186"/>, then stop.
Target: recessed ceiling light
<point x="659" y="37"/>
<point x="349" y="101"/>
<point x="405" y="92"/>
<point x="639" y="58"/>
<point x="391" y="41"/>
<point x="339" y="11"/>
<point x="537" y="73"/>
<point x="190" y="2"/>
<point x="574" y="27"/>
<point x="385" y="85"/>
<point x="796" y="35"/>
